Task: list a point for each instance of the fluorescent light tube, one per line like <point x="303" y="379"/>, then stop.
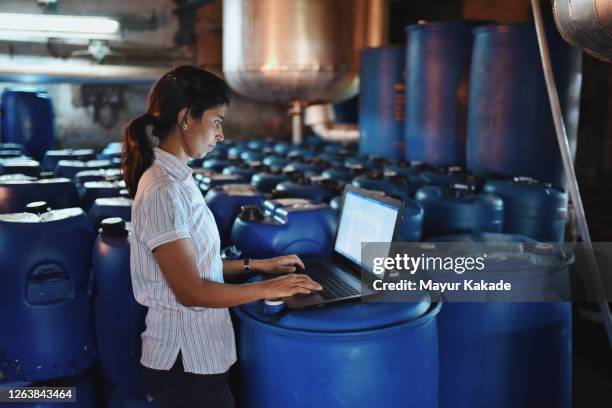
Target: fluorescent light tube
<point x="27" y="26"/>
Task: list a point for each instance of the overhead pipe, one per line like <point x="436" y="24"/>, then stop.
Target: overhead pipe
<point x="78" y="73"/>
<point x="596" y="283"/>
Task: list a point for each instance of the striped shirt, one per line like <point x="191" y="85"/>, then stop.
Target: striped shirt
<point x="168" y="206"/>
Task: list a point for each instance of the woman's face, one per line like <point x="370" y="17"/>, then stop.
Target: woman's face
<point x="203" y="134"/>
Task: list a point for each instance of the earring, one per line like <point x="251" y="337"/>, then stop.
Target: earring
<point x="185" y="126"/>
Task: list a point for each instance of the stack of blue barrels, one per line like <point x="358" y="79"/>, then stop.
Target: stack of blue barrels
<point x="47" y="294"/>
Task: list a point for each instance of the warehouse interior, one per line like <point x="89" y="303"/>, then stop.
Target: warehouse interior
<point x="443" y="106"/>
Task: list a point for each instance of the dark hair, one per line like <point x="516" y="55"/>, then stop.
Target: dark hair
<point x="184" y="87"/>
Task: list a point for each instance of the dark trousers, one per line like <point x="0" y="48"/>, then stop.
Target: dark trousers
<point x="177" y="389"/>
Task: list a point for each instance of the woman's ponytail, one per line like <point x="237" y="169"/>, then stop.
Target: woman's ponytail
<point x="137" y="151"/>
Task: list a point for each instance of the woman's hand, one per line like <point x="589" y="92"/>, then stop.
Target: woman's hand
<point x="288" y="285"/>
<point x="280" y="264"/>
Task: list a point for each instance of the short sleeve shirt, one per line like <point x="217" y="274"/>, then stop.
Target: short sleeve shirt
<point x="169" y="206"/>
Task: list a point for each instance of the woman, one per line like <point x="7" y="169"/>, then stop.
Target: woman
<point x="177" y="272"/>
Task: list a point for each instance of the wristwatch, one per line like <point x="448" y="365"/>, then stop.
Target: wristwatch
<point x="246" y="266"/>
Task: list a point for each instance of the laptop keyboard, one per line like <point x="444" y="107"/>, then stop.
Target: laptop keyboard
<point x="333" y="286"/>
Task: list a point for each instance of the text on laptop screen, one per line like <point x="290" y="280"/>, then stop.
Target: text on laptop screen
<point x="363" y="219"/>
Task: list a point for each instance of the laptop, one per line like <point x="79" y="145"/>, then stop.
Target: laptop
<point x="365" y="216"/>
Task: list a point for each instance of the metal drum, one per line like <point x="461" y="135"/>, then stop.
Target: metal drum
<point x="16" y="193"/>
<point x="382" y="102"/>
<point x="46" y="283"/>
<point x="510" y="125"/>
<point x="531" y="208"/>
<point x="119" y="318"/>
<point x="457" y="209"/>
<point x="225" y="202"/>
<point x="507" y="354"/>
<point x="307" y="230"/>
<point x="438" y="61"/>
<point x="347" y="355"/>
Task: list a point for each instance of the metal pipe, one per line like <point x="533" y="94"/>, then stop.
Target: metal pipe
<point x="568" y="166"/>
<point x="296" y="113"/>
<point x="76" y="73"/>
<point x="321" y="120"/>
<point x="376" y="23"/>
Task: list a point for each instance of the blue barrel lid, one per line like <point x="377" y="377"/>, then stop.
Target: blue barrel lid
<point x="340" y="319"/>
<point x="114" y="201"/>
<point x="104" y="184"/>
<point x="19" y="161"/>
<point x="53" y="215"/>
<point x="239" y="189"/>
<point x="16" y="179"/>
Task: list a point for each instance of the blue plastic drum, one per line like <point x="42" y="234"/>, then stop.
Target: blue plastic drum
<point x="270" y="206"/>
<point x="507" y="354"/>
<point x="459" y="209"/>
<point x="358" y="355"/>
<point x="70" y="168"/>
<point x="46" y="283"/>
<point x="28" y="119"/>
<point x="100" y="189"/>
<point x="52" y="157"/>
<point x="510" y="125"/>
<point x="307" y="230"/>
<point x="215" y="180"/>
<point x="225" y="202"/>
<point x="110" y="207"/>
<point x="266" y="182"/>
<point x="531" y="208"/>
<point x="382" y="101"/>
<point x="15" y="193"/>
<point x="438" y="58"/>
<point x="20" y="165"/>
<point x="317" y="189"/>
<point x="119" y="319"/>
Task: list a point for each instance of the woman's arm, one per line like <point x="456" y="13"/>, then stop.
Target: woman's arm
<point x="280" y="264"/>
<point x="177" y="261"/>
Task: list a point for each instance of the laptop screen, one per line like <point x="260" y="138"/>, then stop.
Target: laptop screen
<point x="363" y="219"/>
